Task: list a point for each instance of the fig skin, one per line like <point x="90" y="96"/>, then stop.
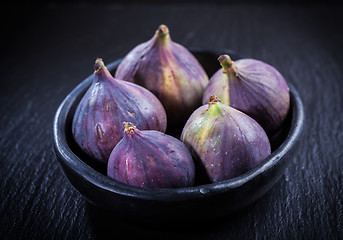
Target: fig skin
<point x="224" y="141"/>
<point x="97" y="124"/>
<point x="252" y="87"/>
<point x="151" y="159"/>
<point x="169" y="71"/>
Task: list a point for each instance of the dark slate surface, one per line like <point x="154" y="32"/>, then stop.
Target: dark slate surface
<point x="48" y="49"/>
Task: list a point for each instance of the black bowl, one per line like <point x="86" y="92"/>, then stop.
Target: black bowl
<point x="179" y="206"/>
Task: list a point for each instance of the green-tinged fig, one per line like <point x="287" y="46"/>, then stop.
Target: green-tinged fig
<point x="151" y="159"/>
<point x="224" y="141"/>
<point x="252" y="87"/>
<point x="97" y="124"/>
<point x="169" y="71"/>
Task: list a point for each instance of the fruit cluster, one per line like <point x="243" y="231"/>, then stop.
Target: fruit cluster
<point x="121" y="120"/>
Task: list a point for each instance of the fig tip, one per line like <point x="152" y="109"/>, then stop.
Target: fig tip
<point x="129" y="127"/>
<point x="163" y="31"/>
<point x="225" y="61"/>
<point x="99" y="65"/>
<point x="224" y="57"/>
<point x="214" y="109"/>
<point x="213" y="99"/>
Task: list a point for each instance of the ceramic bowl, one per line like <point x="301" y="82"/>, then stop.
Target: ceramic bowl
<point x="178" y="206"/>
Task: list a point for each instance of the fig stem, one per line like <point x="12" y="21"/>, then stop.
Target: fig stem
<point x="213" y="99"/>
<point x="213" y="108"/>
<point x="226" y="62"/>
<point x="99" y="65"/>
<point x="163" y="31"/>
<point x="101" y="70"/>
<point x="129" y="127"/>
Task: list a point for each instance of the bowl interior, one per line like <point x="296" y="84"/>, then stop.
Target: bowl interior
<point x="79" y="162"/>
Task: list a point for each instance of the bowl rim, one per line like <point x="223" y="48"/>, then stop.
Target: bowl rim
<point x="90" y="175"/>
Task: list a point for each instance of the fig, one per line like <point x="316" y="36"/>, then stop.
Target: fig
<point x="97" y="124"/>
<point x="169" y="71"/>
<point x="224" y="141"/>
<point x="151" y="159"/>
<point x="252" y="87"/>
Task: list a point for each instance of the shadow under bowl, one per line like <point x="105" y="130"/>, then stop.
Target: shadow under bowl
<point x="180" y="206"/>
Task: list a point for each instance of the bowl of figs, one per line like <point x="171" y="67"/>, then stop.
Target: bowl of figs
<point x="174" y="135"/>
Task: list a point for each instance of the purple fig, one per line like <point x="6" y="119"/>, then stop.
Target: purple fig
<point x="151" y="159"/>
<point x="169" y="71"/>
<point x="97" y="124"/>
<point x="252" y="87"/>
<point x="224" y="140"/>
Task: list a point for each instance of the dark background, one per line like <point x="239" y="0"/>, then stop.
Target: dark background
<point x="48" y="48"/>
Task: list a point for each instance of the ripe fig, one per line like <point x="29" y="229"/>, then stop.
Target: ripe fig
<point x="252" y="87"/>
<point x="224" y="141"/>
<point x="169" y="71"/>
<point x="151" y="159"/>
<point x="97" y="124"/>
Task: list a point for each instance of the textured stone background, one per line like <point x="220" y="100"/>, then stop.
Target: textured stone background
<point x="47" y="49"/>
